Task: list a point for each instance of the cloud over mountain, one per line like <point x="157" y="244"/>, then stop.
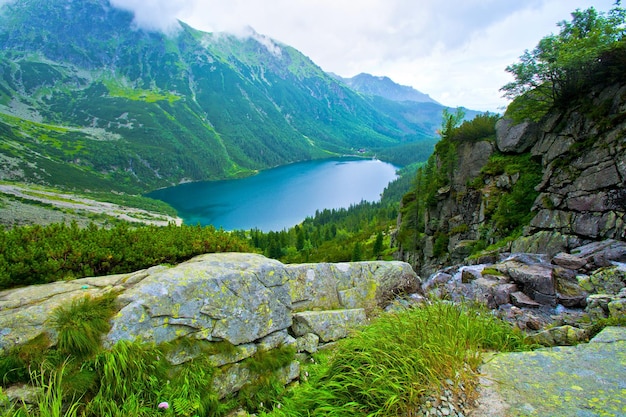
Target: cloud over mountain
<point x="159" y="15"/>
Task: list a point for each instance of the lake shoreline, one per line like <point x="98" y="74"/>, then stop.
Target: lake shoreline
<point x="280" y="197"/>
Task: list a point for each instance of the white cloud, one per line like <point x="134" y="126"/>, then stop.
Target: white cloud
<point x="159" y="15"/>
<point x="454" y="50"/>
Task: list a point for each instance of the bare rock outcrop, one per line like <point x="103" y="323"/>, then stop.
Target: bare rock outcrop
<point x="576" y="159"/>
<point x="244" y="299"/>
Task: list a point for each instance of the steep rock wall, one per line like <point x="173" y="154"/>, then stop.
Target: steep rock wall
<point x="583" y="191"/>
<point x="579" y="155"/>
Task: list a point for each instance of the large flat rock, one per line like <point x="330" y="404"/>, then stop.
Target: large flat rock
<point x="573" y="381"/>
<point x="237" y="297"/>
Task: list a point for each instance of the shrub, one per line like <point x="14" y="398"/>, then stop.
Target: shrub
<point x="37" y="255"/>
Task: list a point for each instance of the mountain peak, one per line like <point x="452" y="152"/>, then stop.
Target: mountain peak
<point x="384" y="86"/>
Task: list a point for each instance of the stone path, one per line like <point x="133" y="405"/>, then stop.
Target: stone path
<point x="586" y="380"/>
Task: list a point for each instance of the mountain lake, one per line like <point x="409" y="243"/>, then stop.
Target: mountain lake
<point x="281" y="197"/>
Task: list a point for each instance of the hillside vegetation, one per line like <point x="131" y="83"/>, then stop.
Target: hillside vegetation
<point x="475" y="194"/>
<point x="38" y="255"/>
<point x="87" y="102"/>
<point x="391" y="367"/>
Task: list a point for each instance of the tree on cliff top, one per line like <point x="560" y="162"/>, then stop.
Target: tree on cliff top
<point x="561" y="65"/>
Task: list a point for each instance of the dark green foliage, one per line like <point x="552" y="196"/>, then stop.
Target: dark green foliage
<point x="13" y="369"/>
<point x="588" y="50"/>
<point x="436" y="175"/>
<point x="440" y="247"/>
<point x="378" y="244"/>
<point x="337" y="235"/>
<point x="36" y="254"/>
<point x="512" y="210"/>
<point x="479" y="128"/>
<point x="271" y="360"/>
<point x="357" y="254"/>
<point x="265" y="388"/>
<point x="81" y="325"/>
<point x="409" y="153"/>
<point x="17" y="363"/>
<point x="396" y="189"/>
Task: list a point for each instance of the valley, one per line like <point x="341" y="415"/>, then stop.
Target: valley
<point x="107" y="107"/>
<point x="493" y="233"/>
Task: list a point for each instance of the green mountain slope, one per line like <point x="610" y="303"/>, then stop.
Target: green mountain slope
<point x="89" y="101"/>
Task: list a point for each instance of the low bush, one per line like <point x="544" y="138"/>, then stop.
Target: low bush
<point x="41" y="254"/>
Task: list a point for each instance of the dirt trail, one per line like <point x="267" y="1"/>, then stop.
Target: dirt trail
<point x="66" y="201"/>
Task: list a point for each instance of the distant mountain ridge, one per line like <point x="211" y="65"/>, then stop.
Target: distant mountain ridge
<point x="88" y="101"/>
<point x="385" y="87"/>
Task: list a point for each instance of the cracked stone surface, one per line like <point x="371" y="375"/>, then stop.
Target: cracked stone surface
<point x="237" y="297"/>
<point x="586" y="380"/>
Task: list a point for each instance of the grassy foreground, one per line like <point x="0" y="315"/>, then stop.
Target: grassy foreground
<point x="390" y="367"/>
<point x="387" y="368"/>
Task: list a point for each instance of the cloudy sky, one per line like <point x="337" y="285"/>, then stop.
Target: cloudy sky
<point x="454" y="50"/>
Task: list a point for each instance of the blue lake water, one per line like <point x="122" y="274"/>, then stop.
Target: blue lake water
<point x="281" y="197"/>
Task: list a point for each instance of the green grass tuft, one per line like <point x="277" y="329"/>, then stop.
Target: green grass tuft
<point x="389" y="367"/>
<point x="81" y="325"/>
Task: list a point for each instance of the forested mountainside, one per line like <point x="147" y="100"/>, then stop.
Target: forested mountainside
<point x="88" y="101"/>
<point x="548" y="177"/>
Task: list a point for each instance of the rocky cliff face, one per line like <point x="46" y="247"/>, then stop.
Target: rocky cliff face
<point x="250" y="302"/>
<point x="583" y="190"/>
<point x="574" y="161"/>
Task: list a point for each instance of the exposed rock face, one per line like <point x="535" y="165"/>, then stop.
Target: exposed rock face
<point x="582" y="191"/>
<point x="328" y="325"/>
<point x="244" y="299"/>
<point x="524" y="383"/>
<point x="517" y="138"/>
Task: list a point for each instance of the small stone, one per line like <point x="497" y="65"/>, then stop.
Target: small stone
<point x="520" y="299"/>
